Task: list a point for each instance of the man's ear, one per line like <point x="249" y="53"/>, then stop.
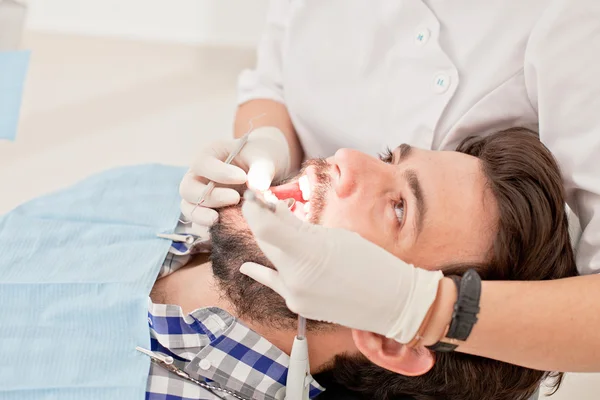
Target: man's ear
<point x="394" y="356"/>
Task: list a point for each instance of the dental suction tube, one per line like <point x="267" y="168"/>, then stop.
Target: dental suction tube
<point x="297" y="384"/>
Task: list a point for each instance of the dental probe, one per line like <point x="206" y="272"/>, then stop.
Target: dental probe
<point x="252" y="196"/>
<point x="211" y="185"/>
<point x="297" y="387"/>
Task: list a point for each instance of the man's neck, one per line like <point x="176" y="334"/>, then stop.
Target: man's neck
<point x="194" y="287"/>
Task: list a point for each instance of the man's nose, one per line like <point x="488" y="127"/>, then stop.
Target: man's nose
<point x="357" y="172"/>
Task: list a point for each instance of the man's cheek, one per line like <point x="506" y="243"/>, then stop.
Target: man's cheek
<point x="350" y="216"/>
<point x="363" y="224"/>
<point x="343" y="217"/>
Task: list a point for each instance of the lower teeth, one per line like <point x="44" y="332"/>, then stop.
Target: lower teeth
<point x="270" y="197"/>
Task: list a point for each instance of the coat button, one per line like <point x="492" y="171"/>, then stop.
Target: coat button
<point x="441" y="83"/>
<point x="422" y="36"/>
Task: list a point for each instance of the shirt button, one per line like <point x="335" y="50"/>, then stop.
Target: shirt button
<point x="205" y="364"/>
<point x="422" y="36"/>
<point x="441" y="83"/>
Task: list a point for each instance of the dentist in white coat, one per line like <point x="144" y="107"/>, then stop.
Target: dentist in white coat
<point x="365" y="74"/>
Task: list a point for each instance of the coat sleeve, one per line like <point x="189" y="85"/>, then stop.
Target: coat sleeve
<point x="562" y="73"/>
<point x="265" y="81"/>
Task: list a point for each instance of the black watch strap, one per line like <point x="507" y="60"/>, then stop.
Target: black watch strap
<point x="466" y="307"/>
<point x="442" y="347"/>
<point x="465" y="312"/>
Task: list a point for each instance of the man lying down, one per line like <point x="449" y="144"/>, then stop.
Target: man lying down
<point x="71" y="324"/>
<point x="448" y="210"/>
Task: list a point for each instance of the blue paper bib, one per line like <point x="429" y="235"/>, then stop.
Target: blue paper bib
<point x="75" y="273"/>
<point x="13" y="70"/>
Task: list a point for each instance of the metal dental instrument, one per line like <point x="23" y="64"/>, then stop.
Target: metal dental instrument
<point x="166" y="362"/>
<point x="252" y="196"/>
<point x="187" y="239"/>
<point x="211" y="185"/>
<point x="297" y="385"/>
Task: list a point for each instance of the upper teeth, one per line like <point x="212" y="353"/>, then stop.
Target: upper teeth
<point x="304" y="187"/>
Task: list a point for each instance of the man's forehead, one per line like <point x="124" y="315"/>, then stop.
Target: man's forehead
<point x="462" y="211"/>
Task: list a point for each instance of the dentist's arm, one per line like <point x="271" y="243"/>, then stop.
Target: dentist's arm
<point x="545" y="325"/>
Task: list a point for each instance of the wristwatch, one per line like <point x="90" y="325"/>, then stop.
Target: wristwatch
<point x="465" y="312"/>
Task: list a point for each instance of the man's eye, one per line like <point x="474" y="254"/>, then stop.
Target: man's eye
<point x="387" y="156"/>
<point x="399" y="210"/>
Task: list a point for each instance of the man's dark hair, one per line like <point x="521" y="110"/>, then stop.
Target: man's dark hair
<point x="532" y="243"/>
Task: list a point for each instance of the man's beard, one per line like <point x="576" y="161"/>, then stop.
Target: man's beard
<point x="318" y="198"/>
<point x="233" y="244"/>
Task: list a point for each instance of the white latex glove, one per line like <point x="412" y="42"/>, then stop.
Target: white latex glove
<point x="335" y="275"/>
<point x="265" y="157"/>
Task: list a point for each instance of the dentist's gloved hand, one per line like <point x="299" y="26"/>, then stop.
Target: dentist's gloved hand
<point x="265" y="157"/>
<point x="335" y="275"/>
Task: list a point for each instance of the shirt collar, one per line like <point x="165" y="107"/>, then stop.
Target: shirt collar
<point x="210" y="344"/>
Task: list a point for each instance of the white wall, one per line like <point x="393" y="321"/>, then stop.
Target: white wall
<point x="212" y="22"/>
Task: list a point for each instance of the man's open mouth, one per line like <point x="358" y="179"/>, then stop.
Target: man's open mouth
<point x="300" y="190"/>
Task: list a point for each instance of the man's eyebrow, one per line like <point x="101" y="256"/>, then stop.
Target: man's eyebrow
<point x="415" y="187"/>
<point x="404" y="149"/>
<point x="403" y="152"/>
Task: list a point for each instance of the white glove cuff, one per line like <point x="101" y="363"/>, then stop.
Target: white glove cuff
<point x="423" y="294"/>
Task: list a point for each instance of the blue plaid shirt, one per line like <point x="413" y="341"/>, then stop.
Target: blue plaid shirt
<point x="214" y="348"/>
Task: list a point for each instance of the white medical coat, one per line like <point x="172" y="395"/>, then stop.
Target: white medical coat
<point x="370" y="74"/>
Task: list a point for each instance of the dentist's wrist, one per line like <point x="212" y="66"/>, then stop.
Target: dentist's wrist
<point x="437" y="320"/>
